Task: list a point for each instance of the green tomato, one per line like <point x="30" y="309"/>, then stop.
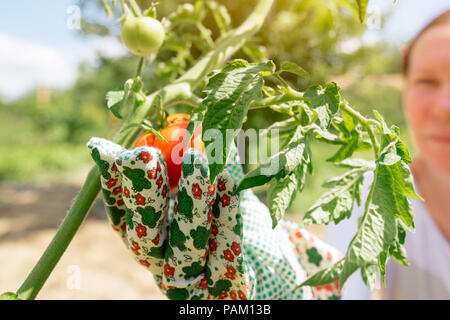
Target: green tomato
<point x="142" y="35"/>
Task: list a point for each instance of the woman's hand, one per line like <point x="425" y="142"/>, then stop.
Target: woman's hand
<point x="180" y="244"/>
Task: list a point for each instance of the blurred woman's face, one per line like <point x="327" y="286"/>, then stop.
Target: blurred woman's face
<point x="427" y="96"/>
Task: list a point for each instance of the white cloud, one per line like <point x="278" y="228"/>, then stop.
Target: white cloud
<point x="90" y="49"/>
<point x="25" y="65"/>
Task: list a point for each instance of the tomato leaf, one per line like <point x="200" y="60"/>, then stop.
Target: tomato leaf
<point x="386" y="203"/>
<point x="325" y="101"/>
<point x="295" y="153"/>
<point x="346" y="150"/>
<point x="325" y="276"/>
<point x="229" y="92"/>
<point x="281" y="193"/>
<point x="337" y="204"/>
<point x="114" y="101"/>
<point x="294" y="68"/>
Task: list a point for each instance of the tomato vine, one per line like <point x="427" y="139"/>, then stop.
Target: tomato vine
<point x="224" y="92"/>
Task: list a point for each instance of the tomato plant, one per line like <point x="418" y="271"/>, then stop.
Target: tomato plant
<point x="221" y="91"/>
<point x="173" y="148"/>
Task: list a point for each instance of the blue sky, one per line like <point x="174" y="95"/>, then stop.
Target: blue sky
<point x="41" y="21"/>
<point x="38" y="48"/>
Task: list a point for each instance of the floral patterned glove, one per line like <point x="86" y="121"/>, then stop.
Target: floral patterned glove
<point x="206" y="243"/>
<point x="178" y="240"/>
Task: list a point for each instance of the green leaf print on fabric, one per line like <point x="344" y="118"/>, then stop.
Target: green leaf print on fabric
<point x="237" y="229"/>
<point x="177" y="238"/>
<point x="129" y="218"/>
<point x="169" y="252"/>
<point x="137" y="177"/>
<point x="157" y="252"/>
<point x="115" y="214"/>
<point x="188" y="168"/>
<point x="314" y="256"/>
<point x="184" y="203"/>
<point x="221" y="286"/>
<point x="196" y="160"/>
<point x="103" y="165"/>
<point x="149" y="216"/>
<point x="216" y="208"/>
<point x="177" y="294"/>
<point x="193" y="270"/>
<point x="200" y="236"/>
<point x="202" y="164"/>
<point x="107" y="197"/>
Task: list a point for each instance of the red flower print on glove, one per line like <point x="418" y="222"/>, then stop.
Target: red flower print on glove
<point x="214" y="229"/>
<point x="156" y="240"/>
<point x="228" y="255"/>
<point x="140" y="200"/>
<point x="221" y="185"/>
<point x="141" y="231"/>
<point x="159" y="182"/>
<point x="168" y="270"/>
<point x="196" y="191"/>
<point x="152" y="173"/>
<point x="236" y="247"/>
<point x="204" y="283"/>
<point x="144" y="263"/>
<point x="145" y="156"/>
<point x="135" y="248"/>
<point x="242" y="295"/>
<point x="111" y="183"/>
<point x="117" y="190"/>
<point x="223" y="295"/>
<point x="225" y="200"/>
<point x="212" y="245"/>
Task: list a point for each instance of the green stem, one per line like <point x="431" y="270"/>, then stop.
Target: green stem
<point x="135" y="8"/>
<point x="367" y="123"/>
<point x="107" y="8"/>
<point x="180" y="89"/>
<point x="140" y="67"/>
<point x="281" y="80"/>
<point x="62" y="238"/>
<point x="292" y="95"/>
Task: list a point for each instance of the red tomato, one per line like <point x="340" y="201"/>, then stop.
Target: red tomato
<point x="173" y="150"/>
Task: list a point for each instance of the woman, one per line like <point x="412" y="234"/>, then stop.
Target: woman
<point x="426" y="103"/>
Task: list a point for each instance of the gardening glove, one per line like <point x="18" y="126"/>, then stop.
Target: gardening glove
<point x="273" y="262"/>
<point x="192" y="242"/>
<point x="280" y="258"/>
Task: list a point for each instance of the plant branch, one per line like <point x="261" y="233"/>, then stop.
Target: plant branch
<point x="83" y="202"/>
<point x="180" y="89"/>
<point x="367" y="123"/>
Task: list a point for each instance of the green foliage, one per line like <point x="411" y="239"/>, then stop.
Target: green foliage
<point x="229" y="92"/>
<point x="253" y="94"/>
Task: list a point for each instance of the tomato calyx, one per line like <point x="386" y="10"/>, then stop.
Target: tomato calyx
<point x="173" y="150"/>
